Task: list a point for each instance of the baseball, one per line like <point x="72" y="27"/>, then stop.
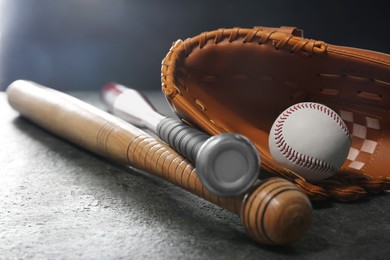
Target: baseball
<point x="311" y="140"/>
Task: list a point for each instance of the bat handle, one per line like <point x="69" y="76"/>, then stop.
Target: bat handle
<point x="227" y="164"/>
<point x="183" y="138"/>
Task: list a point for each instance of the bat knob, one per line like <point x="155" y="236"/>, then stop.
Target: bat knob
<point x="228" y="164"/>
<point x="276" y="212"/>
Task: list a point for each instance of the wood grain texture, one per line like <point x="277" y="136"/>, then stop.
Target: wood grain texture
<point x="274" y="212"/>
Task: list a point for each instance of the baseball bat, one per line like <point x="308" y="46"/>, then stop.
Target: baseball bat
<point x="273" y="212"/>
<point x="227" y="164"/>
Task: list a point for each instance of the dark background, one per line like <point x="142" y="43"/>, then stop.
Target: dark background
<point x="82" y="44"/>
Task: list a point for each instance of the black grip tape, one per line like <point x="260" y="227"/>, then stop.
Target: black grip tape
<point x="181" y="137"/>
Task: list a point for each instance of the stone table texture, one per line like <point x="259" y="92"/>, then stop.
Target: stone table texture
<point x="58" y="201"/>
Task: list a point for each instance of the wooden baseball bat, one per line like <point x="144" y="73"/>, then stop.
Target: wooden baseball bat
<point x="274" y="212"/>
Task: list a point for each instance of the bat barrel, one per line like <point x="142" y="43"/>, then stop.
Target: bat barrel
<point x="273" y="212"/>
<point x="276" y="212"/>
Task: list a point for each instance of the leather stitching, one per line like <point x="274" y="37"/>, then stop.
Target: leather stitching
<point x="279" y="40"/>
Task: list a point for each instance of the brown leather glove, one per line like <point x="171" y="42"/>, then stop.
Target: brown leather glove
<point x="240" y="80"/>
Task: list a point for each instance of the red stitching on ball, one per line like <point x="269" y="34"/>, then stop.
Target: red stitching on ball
<point x="294" y="156"/>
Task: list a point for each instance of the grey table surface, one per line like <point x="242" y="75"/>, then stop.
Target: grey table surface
<point x="58" y="201"/>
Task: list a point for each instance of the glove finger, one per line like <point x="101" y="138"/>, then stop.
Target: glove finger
<point x="343" y="192"/>
<point x="314" y="192"/>
<point x="375" y="185"/>
<point x="368" y="183"/>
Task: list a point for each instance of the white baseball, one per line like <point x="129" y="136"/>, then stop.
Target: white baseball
<point x="311" y="140"/>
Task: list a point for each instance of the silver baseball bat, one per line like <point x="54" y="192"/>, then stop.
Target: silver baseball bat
<point x="227" y="164"/>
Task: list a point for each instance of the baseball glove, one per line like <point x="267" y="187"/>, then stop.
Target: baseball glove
<point x="240" y="80"/>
